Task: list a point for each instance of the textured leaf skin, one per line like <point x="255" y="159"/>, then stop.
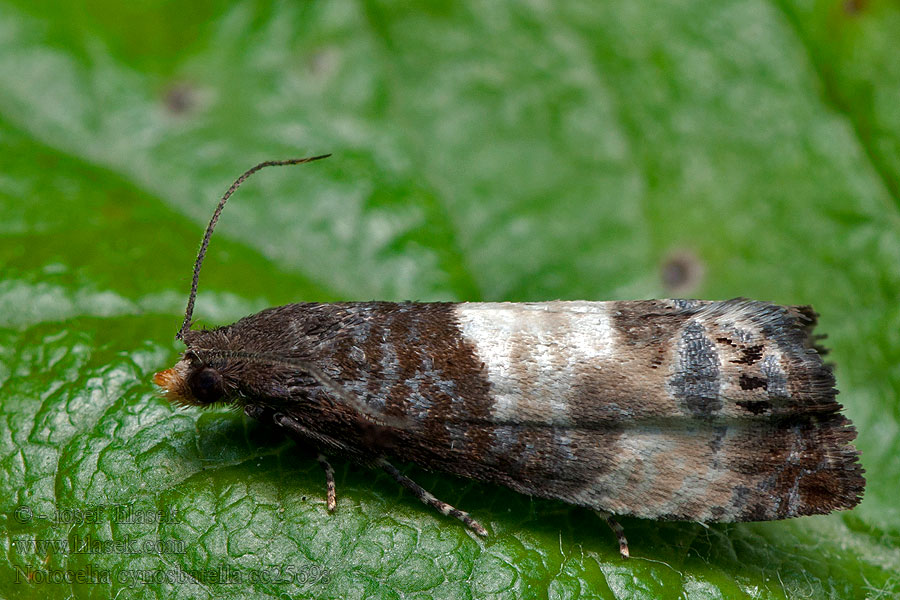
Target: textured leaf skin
<point x="482" y="152"/>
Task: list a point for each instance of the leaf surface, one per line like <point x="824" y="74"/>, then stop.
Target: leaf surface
<point x="482" y="151"/>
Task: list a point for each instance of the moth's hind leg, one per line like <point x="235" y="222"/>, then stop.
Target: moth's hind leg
<point x="617" y="530"/>
<point x="306" y="437"/>
<point x="330" y="494"/>
<point x="429" y="499"/>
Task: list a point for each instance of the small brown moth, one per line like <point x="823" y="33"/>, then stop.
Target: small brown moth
<point x="661" y="409"/>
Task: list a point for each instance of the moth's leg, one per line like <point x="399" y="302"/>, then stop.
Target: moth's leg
<point x="330" y="495"/>
<point x="429" y="499"/>
<point x="299" y="431"/>
<point x="306" y="436"/>
<point x="617" y="531"/>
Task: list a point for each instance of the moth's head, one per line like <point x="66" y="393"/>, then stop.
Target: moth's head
<point x="192" y="382"/>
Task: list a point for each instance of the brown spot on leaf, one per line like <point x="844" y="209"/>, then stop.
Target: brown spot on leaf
<point x="180" y="98"/>
<point x="854" y="7"/>
<point x="323" y="62"/>
<point x="682" y="272"/>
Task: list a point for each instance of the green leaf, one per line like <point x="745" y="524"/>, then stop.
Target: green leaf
<point x="482" y="151"/>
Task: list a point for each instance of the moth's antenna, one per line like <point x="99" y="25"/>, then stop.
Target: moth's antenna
<point x="186" y="325"/>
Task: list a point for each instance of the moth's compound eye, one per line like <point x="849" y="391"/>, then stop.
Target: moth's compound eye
<point x="207" y="385"/>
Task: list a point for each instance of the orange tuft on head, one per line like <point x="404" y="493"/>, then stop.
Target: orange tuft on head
<point x="165" y="378"/>
<point x="174" y="384"/>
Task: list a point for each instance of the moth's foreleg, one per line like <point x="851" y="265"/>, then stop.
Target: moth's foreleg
<point x="429" y="499"/>
<point x="617" y="531"/>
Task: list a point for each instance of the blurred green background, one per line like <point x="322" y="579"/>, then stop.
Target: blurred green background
<point x="482" y="151"/>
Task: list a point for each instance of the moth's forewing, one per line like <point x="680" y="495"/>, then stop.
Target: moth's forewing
<point x="668" y="409"/>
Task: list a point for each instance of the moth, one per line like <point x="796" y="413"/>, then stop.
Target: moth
<point x="690" y="410"/>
